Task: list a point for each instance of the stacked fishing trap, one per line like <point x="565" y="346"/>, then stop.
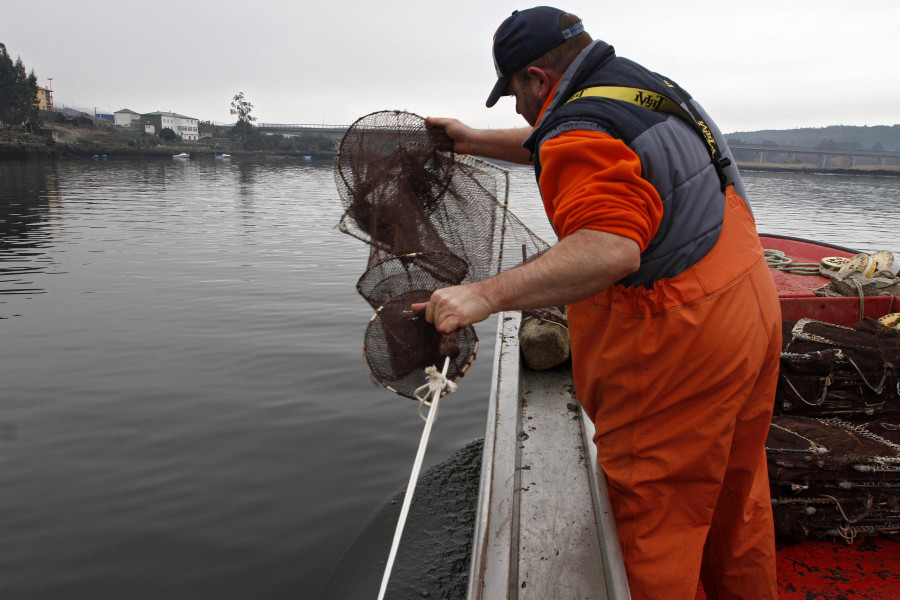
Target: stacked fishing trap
<point x="834" y="445"/>
<point x="431" y="219"/>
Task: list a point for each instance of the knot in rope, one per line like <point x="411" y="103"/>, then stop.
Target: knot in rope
<point x="437" y="383"/>
<point x="779" y="261"/>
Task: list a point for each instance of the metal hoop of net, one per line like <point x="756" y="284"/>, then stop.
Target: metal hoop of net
<point x="420" y="271"/>
<point x="391" y="172"/>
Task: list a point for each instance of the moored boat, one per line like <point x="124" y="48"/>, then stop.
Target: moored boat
<point x="181" y="155"/>
<point x="544" y="526"/>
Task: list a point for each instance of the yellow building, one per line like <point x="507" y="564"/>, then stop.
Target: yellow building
<point x="45" y="98"/>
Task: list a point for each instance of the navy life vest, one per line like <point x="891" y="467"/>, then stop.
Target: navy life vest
<point x="674" y="158"/>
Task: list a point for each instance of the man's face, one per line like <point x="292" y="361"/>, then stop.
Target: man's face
<point x="526" y="90"/>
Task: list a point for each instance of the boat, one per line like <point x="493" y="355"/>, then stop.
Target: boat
<point x="223" y="156"/>
<point x="544" y="525"/>
<point x="181" y="155"/>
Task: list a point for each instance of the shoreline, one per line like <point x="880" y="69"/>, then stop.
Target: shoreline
<point x="57" y="142"/>
<point x="29" y="149"/>
<point x="39" y="151"/>
<point x="869" y="172"/>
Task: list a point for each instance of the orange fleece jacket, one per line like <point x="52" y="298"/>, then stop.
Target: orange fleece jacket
<point x="590" y="180"/>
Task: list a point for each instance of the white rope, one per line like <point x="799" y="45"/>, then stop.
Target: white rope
<point x="779" y="261"/>
<point x="437" y="382"/>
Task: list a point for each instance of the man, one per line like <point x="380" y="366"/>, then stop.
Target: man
<point x="674" y="319"/>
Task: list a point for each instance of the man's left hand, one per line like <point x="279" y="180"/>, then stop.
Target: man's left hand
<point x="455" y="307"/>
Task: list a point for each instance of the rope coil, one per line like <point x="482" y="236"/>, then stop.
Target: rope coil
<point x="779" y="261"/>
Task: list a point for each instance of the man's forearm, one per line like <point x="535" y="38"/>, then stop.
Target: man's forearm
<point x="501" y="144"/>
<point x="579" y="266"/>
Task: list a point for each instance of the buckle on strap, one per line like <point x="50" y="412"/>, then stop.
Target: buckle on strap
<point x="723" y="168"/>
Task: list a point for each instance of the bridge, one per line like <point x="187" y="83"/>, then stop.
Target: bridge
<point x="822" y="158"/>
<point x="330" y="132"/>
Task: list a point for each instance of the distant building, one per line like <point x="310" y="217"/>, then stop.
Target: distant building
<point x="126" y="118"/>
<point x="83" y="121"/>
<point x="104" y="121"/>
<point x="187" y="127"/>
<point x="45" y="98"/>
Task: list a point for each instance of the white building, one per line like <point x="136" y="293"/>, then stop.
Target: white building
<point x="187" y="127"/>
<point x="126" y="118"/>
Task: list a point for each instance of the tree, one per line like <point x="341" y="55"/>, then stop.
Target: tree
<point x="168" y="134"/>
<point x="18" y="92"/>
<point x="241" y="108"/>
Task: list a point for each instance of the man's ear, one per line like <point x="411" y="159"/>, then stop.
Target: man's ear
<point x="540" y="80"/>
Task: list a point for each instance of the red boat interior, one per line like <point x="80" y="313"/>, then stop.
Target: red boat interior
<point x="814" y="569"/>
<point x="796" y="291"/>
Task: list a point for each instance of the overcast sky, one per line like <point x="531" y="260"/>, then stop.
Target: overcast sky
<point x="753" y="64"/>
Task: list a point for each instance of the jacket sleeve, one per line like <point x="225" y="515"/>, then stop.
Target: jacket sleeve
<point x="590" y="180"/>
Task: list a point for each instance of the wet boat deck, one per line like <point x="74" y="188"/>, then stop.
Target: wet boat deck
<point x="545" y="528"/>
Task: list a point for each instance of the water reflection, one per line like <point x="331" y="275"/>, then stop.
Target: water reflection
<point x="245" y="171"/>
<point x="28" y="197"/>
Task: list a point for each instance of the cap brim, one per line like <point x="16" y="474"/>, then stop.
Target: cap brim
<point x="499" y="90"/>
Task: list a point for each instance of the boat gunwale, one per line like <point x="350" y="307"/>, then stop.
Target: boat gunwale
<point x="505" y="364"/>
<point x="792" y="238"/>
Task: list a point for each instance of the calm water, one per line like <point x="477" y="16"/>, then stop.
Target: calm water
<point x="184" y="407"/>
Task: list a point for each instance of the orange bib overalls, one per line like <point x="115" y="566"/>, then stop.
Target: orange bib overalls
<point x="680" y="383"/>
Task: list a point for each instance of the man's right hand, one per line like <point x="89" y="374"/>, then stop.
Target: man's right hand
<point x="501" y="144"/>
<point x="462" y="135"/>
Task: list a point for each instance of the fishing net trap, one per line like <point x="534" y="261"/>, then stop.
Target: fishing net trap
<point x="431" y="219"/>
<point x="833" y="448"/>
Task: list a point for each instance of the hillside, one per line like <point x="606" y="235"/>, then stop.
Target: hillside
<point x="834" y="137"/>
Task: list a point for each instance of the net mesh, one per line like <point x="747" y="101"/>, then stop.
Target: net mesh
<point x="414" y="272"/>
<point x="391" y="174"/>
<point x="834" y="445"/>
<point x="833" y="478"/>
<point x="400" y="344"/>
<point x="431" y="219"/>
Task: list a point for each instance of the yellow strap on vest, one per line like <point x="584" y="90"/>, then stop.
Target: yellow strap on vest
<point x="649" y="100"/>
<point x="660" y="103"/>
<point x="644" y="98"/>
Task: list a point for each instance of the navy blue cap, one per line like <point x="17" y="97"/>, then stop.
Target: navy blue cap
<point x="522" y="38"/>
